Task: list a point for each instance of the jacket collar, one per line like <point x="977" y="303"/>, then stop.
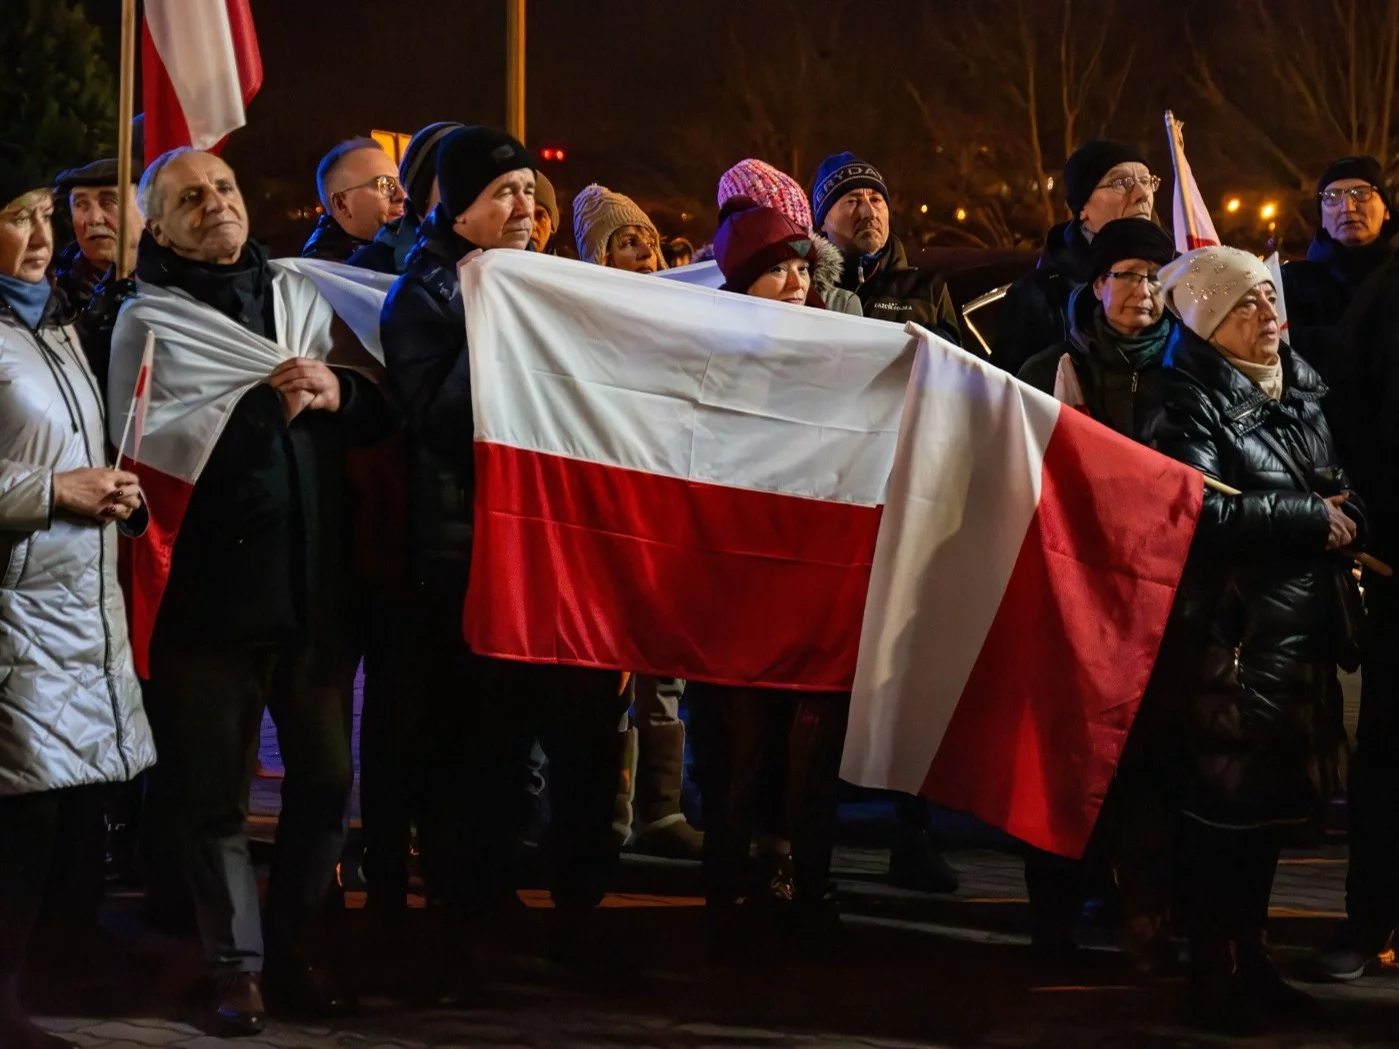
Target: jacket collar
<point x="1191" y="355"/>
<point x="329" y="240"/>
<point x="1066" y="252"/>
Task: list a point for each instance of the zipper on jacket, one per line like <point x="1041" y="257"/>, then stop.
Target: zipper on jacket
<point x="101" y="561"/>
<point x="1136" y="376"/>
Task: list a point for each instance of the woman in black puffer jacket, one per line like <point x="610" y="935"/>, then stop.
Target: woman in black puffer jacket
<point x="1248" y="670"/>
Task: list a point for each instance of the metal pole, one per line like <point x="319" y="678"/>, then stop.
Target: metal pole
<point x="515" y="68"/>
<point x="126" y="105"/>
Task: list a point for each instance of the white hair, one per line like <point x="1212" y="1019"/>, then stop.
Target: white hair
<point x="146" y="197"/>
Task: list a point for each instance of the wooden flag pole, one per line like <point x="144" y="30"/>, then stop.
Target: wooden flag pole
<point x="126" y="106"/>
<point x="515" y="68"/>
<point x="1374" y="564"/>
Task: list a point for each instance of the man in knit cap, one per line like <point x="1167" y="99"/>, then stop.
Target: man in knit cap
<point x="1103" y="181"/>
<point x="482" y="715"/>
<point x="850" y="206"/>
<point x="360" y="192"/>
<point x="612" y="231"/>
<point x="546" y="215"/>
<point x="417" y="174"/>
<point x="1354" y="238"/>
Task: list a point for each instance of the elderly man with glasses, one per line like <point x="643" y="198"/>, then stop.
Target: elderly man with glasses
<point x="1103" y="181"/>
<point x="360" y="192"/>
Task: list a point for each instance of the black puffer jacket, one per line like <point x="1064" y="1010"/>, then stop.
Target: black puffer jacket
<point x="1035" y="311"/>
<point x="1115" y="393"/>
<point x="423" y="331"/>
<point x="330" y="241"/>
<point x="1250" y="659"/>
<point x="890" y="289"/>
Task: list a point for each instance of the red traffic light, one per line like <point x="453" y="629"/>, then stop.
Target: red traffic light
<point x="550" y="153"/>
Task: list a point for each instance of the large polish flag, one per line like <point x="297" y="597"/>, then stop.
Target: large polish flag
<point x="200" y="66"/>
<point x="671" y="479"/>
<point x="1027" y="562"/>
<point x="1193" y="226"/>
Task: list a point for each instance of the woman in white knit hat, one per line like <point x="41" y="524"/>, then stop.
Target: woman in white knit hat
<point x="1246" y="681"/>
<point x="612" y="231"/>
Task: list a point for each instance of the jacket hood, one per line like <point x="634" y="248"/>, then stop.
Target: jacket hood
<point x="825" y="275"/>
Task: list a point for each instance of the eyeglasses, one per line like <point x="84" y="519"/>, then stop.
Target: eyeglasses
<point x="384" y="185"/>
<point x="1127" y="183"/>
<point x="1153" y="280"/>
<point x="1333" y="198"/>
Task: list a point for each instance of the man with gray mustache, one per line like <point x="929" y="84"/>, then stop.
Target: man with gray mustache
<point x="93" y="200"/>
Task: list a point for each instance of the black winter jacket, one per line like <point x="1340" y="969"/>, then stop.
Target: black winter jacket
<point x="423" y="330"/>
<point x="892" y="290"/>
<point x="1116" y="394"/>
<point x="1318" y="290"/>
<point x="1250" y="656"/>
<point x="330" y="241"/>
<point x="264" y="551"/>
<point x="1035" y="311"/>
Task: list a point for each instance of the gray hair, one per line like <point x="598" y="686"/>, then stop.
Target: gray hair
<point x="146" y="197"/>
<point x="332" y="160"/>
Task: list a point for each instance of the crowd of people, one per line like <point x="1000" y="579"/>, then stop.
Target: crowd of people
<point x="331" y="529"/>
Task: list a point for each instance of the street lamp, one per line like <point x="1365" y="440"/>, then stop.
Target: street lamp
<point x="961" y="214"/>
<point x="1268" y="212"/>
<point x="1232" y="205"/>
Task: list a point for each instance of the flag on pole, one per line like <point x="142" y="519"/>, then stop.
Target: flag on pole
<point x="200" y="67"/>
<point x="135" y="424"/>
<point x="670" y="479"/>
<point x="1028" y="558"/>
<point x="1274" y="264"/>
<point x="1193" y="226"/>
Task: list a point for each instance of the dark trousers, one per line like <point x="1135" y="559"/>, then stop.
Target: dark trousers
<point x="1372" y="885"/>
<point x="480" y="720"/>
<point x="1226" y="878"/>
<point x="38" y="835"/>
<point x="390" y="750"/>
<point x="205" y="705"/>
<point x="734" y="729"/>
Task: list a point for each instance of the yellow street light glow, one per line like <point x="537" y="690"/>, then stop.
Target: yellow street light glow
<point x="923" y="209"/>
<point x="1233" y="204"/>
<point x="1269" y="211"/>
<point x="961" y="214"/>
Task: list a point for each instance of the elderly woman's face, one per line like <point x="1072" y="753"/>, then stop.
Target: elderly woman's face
<point x="1250" y="330"/>
<point x="634" y="248"/>
<point x="26" y="236"/>
<point x="1131" y="295"/>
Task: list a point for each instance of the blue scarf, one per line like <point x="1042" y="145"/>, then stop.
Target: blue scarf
<point x="27" y="298"/>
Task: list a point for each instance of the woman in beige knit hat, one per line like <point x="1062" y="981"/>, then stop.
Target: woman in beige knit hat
<point x="612" y="231"/>
<point x="1246" y="688"/>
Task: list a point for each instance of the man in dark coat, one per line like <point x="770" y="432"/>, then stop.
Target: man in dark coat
<point x="1354" y="239"/>
<point x="485" y="713"/>
<point x="93" y="197"/>
<point x="360" y="193"/>
<point x="417" y="174"/>
<point x="254" y="615"/>
<point x="1363" y="409"/>
<point x="850" y="206"/>
<point x="1103" y="181"/>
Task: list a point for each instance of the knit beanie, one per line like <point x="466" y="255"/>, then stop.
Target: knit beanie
<point x="470" y="158"/>
<point x="1134" y="238"/>
<point x="752" y="239"/>
<point x="545" y="198"/>
<point x="1089" y="163"/>
<point x="598" y="213"/>
<point x="767" y="187"/>
<point x="837" y="176"/>
<point x="418" y="165"/>
<point x="1203" y="285"/>
<point x="19" y="173"/>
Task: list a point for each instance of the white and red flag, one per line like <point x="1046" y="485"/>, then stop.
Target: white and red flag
<point x="200" y="67"/>
<point x="670" y="479"/>
<point x="1027" y="562"/>
<point x="1193" y="226"/>
<point x="203" y="364"/>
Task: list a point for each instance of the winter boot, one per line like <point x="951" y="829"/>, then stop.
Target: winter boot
<point x="1262" y="983"/>
<point x="659" y="827"/>
<point x="623" y="811"/>
<point x="1217" y="999"/>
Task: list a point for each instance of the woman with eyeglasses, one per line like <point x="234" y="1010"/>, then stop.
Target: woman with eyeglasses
<point x="1248" y="669"/>
<point x="1103" y="181"/>
<point x="1353" y="239"/>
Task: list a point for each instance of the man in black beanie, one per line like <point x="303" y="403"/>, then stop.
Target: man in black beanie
<point x="482" y="714"/>
<point x="1353" y="239"/>
<point x="1343" y="317"/>
<point x="1103" y="181"/>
